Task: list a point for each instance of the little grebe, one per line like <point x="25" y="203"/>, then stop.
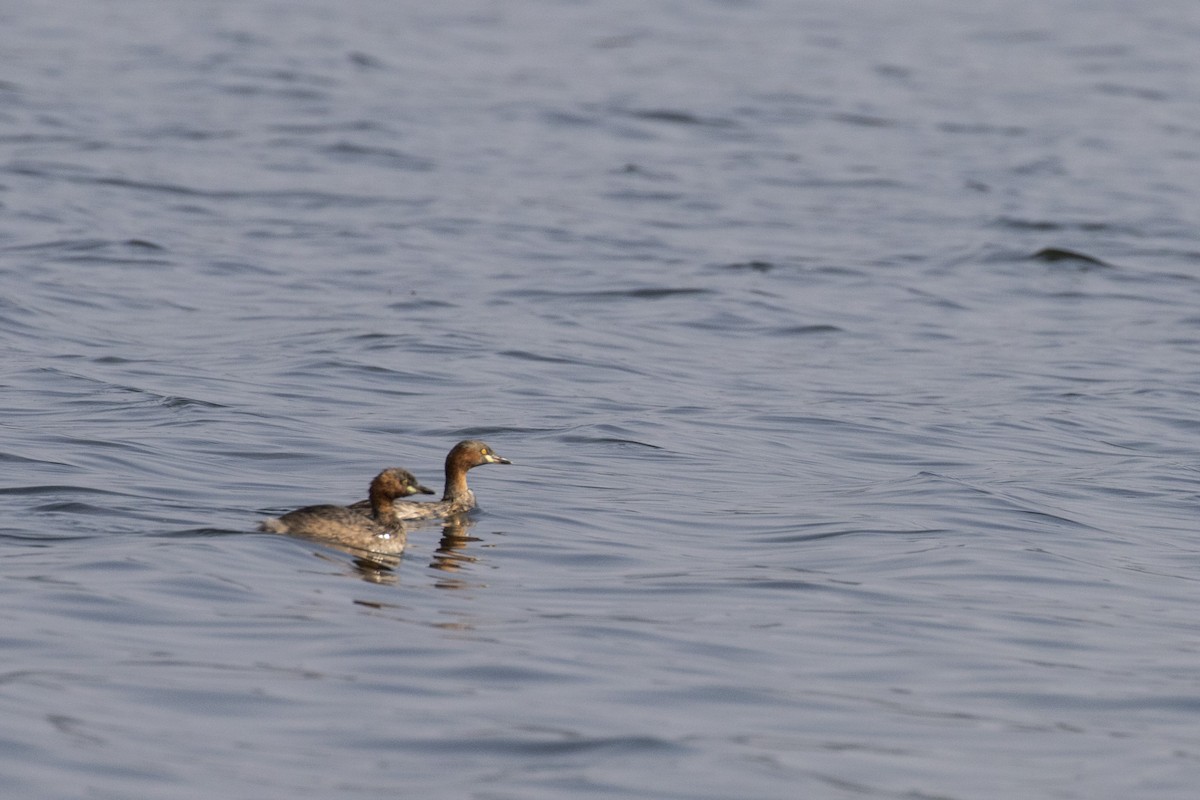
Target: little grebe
<point x="457" y="498"/>
<point x="375" y="529"/>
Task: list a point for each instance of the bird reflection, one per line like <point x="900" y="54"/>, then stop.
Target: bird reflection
<point x="371" y="567"/>
<point x="450" y="557"/>
<point x="377" y="569"/>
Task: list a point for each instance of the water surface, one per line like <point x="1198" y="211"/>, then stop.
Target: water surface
<point x="846" y="359"/>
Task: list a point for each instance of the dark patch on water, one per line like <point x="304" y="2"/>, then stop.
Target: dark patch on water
<point x="677" y="117"/>
<point x="1053" y="255"/>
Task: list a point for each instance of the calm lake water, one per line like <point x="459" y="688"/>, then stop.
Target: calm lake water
<point x="847" y="355"/>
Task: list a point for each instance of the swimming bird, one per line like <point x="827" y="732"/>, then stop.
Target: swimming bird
<point x="373" y="528"/>
<point x="457" y="497"/>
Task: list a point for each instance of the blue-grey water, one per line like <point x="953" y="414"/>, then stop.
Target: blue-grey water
<point x="848" y="355"/>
